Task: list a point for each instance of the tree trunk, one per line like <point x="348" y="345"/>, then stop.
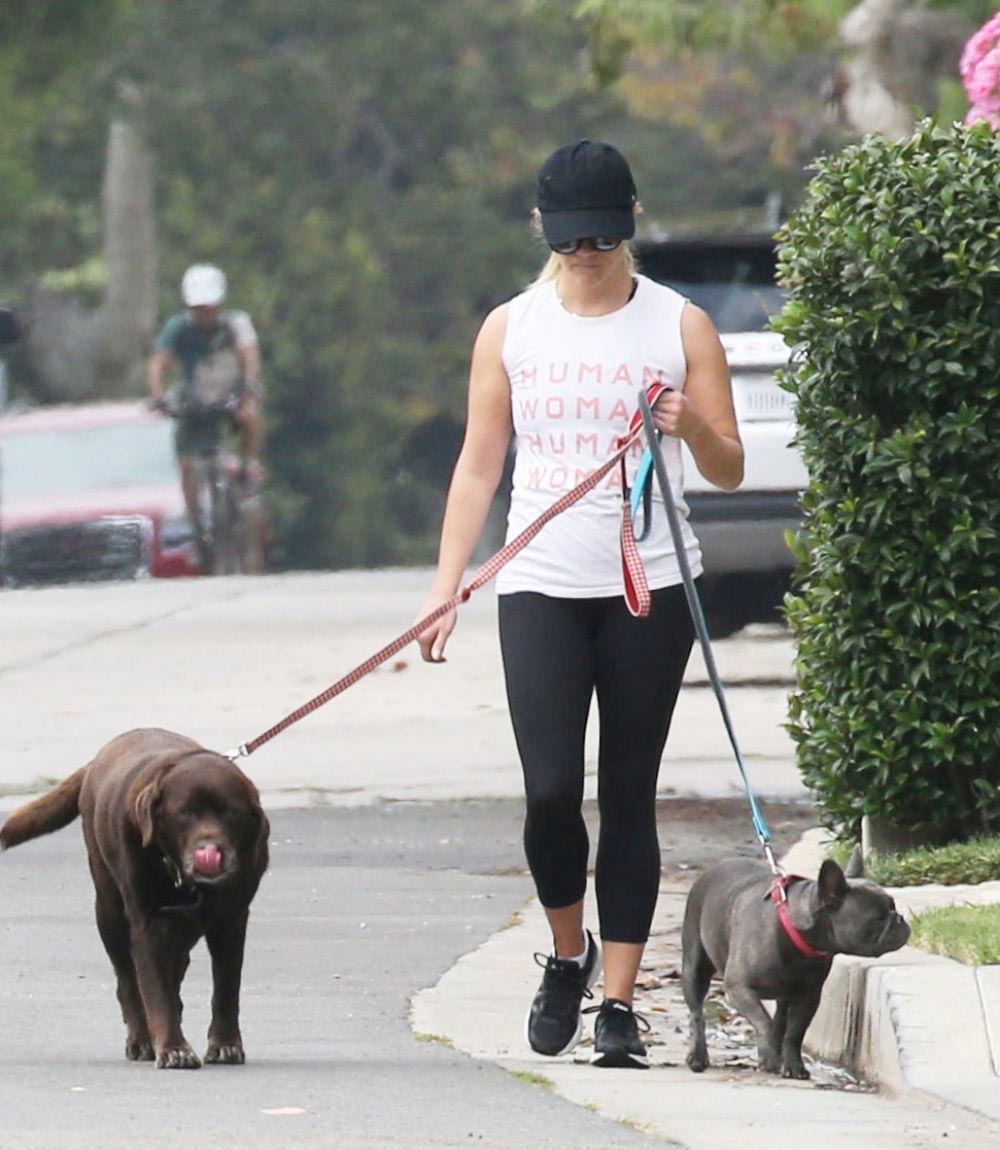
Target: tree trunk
<point x="128" y="315"/>
<point x="77" y="353"/>
<point x="897" y="54"/>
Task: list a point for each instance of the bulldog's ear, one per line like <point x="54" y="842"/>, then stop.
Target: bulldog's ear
<point x="833" y="888"/>
<point x="143" y="800"/>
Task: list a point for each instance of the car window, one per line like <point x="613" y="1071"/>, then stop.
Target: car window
<point x="731" y="279"/>
<point x="735" y="306"/>
<point x="86" y="459"/>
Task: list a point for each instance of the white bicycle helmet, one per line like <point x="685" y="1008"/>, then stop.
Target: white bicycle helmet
<point x="203" y="285"/>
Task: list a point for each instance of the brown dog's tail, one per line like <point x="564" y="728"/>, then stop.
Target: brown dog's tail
<point x="43" y="815"/>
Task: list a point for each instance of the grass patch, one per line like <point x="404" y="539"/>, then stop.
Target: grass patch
<point x="969" y="934"/>
<point x="971" y="862"/>
<point x="642" y="1127"/>
<point x="438" y="1039"/>
<point x="533" y="1079"/>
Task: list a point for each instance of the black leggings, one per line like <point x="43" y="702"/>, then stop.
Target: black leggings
<point x="557" y="653"/>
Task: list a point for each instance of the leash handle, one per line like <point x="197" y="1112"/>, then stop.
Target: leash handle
<point x="698" y="617"/>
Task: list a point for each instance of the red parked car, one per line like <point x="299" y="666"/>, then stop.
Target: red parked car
<point x="90" y="492"/>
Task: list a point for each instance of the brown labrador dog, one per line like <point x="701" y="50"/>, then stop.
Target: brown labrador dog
<point x="177" y="844"/>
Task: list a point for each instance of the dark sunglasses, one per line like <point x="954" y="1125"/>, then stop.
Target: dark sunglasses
<point x="568" y="247"/>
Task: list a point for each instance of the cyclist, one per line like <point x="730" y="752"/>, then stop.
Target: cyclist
<point x="217" y="352"/>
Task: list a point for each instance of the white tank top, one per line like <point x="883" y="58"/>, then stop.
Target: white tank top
<point x="574" y="383"/>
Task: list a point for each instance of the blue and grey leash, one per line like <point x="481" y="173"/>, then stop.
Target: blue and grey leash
<point x="652" y="459"/>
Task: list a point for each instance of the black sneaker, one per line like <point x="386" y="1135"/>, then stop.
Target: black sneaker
<point x="616" y="1036"/>
<point x="553" y="1025"/>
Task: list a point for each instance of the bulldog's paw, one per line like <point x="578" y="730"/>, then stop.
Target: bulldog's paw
<point x="795" y="1070"/>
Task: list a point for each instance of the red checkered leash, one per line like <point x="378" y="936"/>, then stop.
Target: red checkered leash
<point x="636" y="588"/>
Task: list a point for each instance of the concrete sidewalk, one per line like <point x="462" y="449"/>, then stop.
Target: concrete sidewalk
<point x="922" y="1028"/>
<point x="223" y="659"/>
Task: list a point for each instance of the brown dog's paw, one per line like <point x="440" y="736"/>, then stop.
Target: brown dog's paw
<point x="139" y="1050"/>
<point x="225" y="1053"/>
<point x="178" y="1058"/>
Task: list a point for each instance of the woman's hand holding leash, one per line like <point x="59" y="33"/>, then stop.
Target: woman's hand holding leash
<point x="674" y="415"/>
<point x="432" y="641"/>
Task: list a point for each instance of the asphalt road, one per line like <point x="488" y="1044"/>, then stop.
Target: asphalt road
<point x="361" y="908"/>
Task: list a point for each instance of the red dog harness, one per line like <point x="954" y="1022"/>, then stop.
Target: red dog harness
<point x="779" y="896"/>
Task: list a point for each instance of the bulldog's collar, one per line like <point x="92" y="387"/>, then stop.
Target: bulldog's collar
<point x="778" y="894"/>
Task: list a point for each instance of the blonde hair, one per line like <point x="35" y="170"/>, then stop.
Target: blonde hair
<point x="552" y="267"/>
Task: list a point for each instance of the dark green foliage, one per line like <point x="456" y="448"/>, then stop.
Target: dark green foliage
<point x="364" y="173"/>
<point x="893" y="268"/>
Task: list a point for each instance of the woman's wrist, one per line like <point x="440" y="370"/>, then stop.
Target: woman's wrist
<point x="444" y="588"/>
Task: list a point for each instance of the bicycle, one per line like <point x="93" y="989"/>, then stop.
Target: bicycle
<point x="217" y="482"/>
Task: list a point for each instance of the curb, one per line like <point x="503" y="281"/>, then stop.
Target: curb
<point x="916" y="1023"/>
<point x="911" y="1021"/>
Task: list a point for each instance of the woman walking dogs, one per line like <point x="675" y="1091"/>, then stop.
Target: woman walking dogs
<point x="559" y="368"/>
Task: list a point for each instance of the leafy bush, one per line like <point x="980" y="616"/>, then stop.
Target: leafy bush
<point x="893" y="270"/>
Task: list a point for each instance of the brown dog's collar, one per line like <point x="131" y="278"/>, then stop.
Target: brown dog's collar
<point x="188" y="896"/>
<point x="778" y="894"/>
<point x="174" y="871"/>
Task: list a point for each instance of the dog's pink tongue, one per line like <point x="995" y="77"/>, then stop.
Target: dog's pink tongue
<point x="208" y="859"/>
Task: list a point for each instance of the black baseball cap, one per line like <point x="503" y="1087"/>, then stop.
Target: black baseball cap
<point x="584" y="190"/>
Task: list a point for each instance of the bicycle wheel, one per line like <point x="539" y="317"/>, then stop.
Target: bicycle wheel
<point x="204" y="515"/>
<point x="225" y="525"/>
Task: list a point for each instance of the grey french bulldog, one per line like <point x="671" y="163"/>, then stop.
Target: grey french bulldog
<point x="775" y="940"/>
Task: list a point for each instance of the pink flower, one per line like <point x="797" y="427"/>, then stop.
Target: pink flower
<point x="980" y="71"/>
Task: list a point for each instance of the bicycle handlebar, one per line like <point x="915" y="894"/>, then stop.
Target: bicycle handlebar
<point x="181" y="407"/>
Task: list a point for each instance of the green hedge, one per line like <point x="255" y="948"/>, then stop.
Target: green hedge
<point x="893" y="269"/>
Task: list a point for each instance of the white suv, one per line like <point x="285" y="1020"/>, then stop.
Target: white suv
<point x="747" y="561"/>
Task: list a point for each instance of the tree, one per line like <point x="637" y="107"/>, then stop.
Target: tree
<point x="901" y="61"/>
<point x="886" y="61"/>
<point x="364" y="174"/>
